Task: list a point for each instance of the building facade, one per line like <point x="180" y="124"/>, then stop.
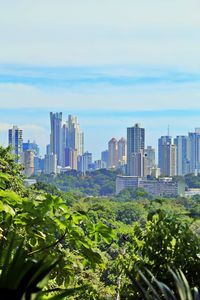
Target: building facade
<point x="113" y="153"/>
<point x="15" y="140"/>
<point x="135" y="143"/>
<point x="56" y="135"/>
<point x="161" y="187"/>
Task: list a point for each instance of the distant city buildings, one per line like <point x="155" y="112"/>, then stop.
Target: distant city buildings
<point x="65" y="151"/>
<point x="66" y="141"/>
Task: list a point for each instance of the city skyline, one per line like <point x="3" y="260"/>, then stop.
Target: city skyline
<point x="112" y="64"/>
<point x="42" y="131"/>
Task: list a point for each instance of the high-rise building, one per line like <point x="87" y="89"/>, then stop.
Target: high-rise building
<point x="113" y="153"/>
<point x="15" y="140"/>
<point x="28" y="162"/>
<point x="139" y="164"/>
<point x="163" y="140"/>
<point x="31" y="146"/>
<point x="182" y="155"/>
<point x="104" y="158"/>
<point x="150" y="159"/>
<point x="84" y="162"/>
<point x="135" y="143"/>
<point x="56" y="135"/>
<point x="167" y="156"/>
<point x="50" y="164"/>
<point x="71" y="158"/>
<point x="75" y="137"/>
<point x="172" y="160"/>
<point x="122" y="151"/>
<point x="194" y="151"/>
<point x="65" y="137"/>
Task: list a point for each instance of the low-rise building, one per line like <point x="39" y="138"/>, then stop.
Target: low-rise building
<point x="156" y="187"/>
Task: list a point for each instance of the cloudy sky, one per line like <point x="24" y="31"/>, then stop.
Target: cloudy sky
<point x="110" y="62"/>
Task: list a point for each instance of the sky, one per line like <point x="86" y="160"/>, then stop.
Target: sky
<point x="112" y="63"/>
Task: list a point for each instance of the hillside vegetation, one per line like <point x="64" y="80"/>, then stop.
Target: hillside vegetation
<point x="60" y="244"/>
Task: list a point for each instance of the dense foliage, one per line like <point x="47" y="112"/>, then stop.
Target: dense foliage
<point x="89" y="247"/>
<point x="97" y="183"/>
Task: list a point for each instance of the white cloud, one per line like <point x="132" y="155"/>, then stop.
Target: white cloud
<point x="101" y="97"/>
<point x="65" y="32"/>
<point x="99" y="33"/>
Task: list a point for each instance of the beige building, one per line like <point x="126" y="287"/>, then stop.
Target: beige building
<point x="160" y="187"/>
<point x="28" y="162"/>
<point x="113" y="153"/>
<point x="121" y="151"/>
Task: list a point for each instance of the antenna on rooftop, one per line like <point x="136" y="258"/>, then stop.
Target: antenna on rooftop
<point x="168" y="130"/>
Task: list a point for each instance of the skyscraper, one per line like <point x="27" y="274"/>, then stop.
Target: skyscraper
<point x="150" y="159"/>
<point x="182" y="155"/>
<point x="194" y="151"/>
<point x="122" y="150"/>
<point x="163" y="140"/>
<point x="113" y="153"/>
<point x="167" y="156"/>
<point x="15" y="140"/>
<point x="84" y="162"/>
<point x="50" y="164"/>
<point x="28" y="162"/>
<point x="104" y="157"/>
<point x="56" y="135"/>
<point x="75" y="137"/>
<point x="135" y="143"/>
<point x="139" y="164"/>
<point x="71" y="158"/>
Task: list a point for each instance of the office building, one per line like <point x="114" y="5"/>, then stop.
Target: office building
<point x="75" y="137"/>
<point x="56" y="135"/>
<point x="71" y="158"/>
<point x="122" y="151"/>
<point x="84" y="162"/>
<point x="194" y="151"/>
<point x="163" y="140"/>
<point x="167" y="156"/>
<point x="28" y="163"/>
<point x="139" y="164"/>
<point x="15" y="140"/>
<point x="182" y="155"/>
<point x="104" y="158"/>
<point x="157" y="187"/>
<point x="150" y="159"/>
<point x="135" y="143"/>
<point x="113" y="153"/>
<point x="50" y="164"/>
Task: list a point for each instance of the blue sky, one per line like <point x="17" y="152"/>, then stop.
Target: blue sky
<point x="112" y="63"/>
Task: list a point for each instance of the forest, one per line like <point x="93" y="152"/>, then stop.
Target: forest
<point x="62" y="244"/>
<point x="97" y="183"/>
